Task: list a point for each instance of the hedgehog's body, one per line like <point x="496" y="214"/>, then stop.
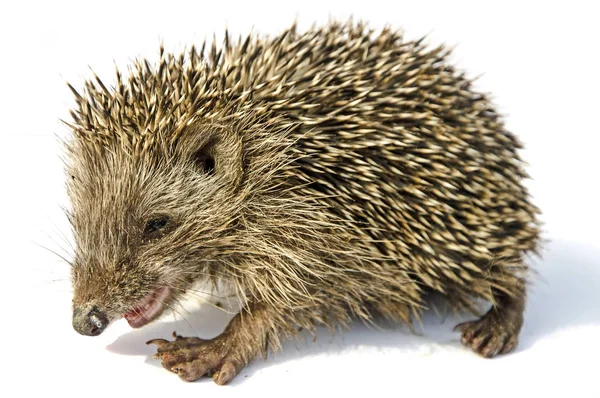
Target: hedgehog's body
<point x="324" y="175"/>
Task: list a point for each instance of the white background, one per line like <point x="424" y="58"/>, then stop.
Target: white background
<point x="540" y="61"/>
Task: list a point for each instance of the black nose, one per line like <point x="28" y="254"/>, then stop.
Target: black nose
<point x="89" y="322"/>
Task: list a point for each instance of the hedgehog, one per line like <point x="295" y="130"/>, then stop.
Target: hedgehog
<point x="337" y="174"/>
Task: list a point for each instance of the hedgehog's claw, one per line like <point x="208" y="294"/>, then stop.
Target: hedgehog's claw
<point x="491" y="335"/>
<point x="158" y="342"/>
<point x="192" y="358"/>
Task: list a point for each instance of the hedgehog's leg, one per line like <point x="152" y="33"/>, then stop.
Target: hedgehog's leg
<point x="497" y="332"/>
<point x="224" y="356"/>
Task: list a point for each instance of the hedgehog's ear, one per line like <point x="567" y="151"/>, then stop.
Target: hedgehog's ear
<point x="215" y="151"/>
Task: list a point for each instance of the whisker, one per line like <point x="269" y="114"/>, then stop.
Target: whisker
<point x="53" y="252"/>
<point x="62" y="235"/>
<point x="66" y="252"/>
<point x="200" y="292"/>
<point x="142" y="314"/>
<point x="182" y="317"/>
<point x="196" y="294"/>
<point x="56" y="280"/>
<point x="215" y="306"/>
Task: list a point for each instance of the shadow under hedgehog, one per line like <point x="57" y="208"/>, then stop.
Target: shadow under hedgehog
<point x="324" y="176"/>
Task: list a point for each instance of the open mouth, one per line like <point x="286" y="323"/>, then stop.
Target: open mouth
<point x="147" y="308"/>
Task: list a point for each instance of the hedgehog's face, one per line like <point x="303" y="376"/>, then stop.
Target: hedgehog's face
<point x="146" y="226"/>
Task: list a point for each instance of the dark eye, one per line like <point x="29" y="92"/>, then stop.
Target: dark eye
<point x="156" y="224"/>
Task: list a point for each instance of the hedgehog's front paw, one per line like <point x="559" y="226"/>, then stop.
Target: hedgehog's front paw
<point x="191" y="358"/>
<point x="495" y="333"/>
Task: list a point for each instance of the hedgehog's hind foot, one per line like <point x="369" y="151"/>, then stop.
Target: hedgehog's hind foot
<point x="497" y="332"/>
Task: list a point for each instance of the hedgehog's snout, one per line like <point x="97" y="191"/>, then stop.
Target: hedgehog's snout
<point x="89" y="321"/>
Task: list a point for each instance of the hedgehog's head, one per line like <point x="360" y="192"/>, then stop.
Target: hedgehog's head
<point x="148" y="217"/>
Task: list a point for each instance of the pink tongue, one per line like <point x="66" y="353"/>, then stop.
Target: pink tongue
<point x="147" y="308"/>
<point x="134" y="315"/>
